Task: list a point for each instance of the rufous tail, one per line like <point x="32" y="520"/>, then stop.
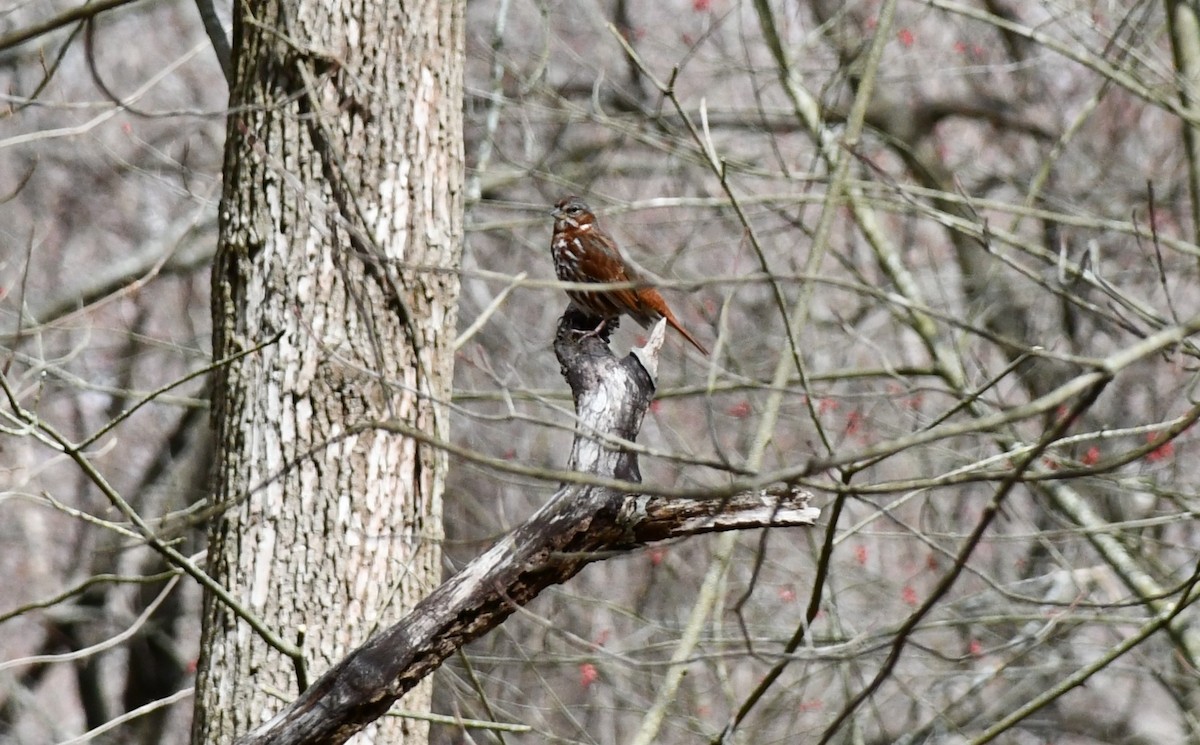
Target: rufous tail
<point x="675" y="325"/>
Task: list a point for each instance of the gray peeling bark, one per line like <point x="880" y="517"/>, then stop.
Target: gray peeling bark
<point x="343" y="171"/>
<point x="579" y="525"/>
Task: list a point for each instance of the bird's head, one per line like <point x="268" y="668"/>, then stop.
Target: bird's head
<point x="573" y="212"/>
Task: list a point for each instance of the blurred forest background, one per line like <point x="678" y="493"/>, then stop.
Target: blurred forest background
<point x="955" y="270"/>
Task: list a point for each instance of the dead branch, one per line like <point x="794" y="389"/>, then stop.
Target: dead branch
<point x="580" y="524"/>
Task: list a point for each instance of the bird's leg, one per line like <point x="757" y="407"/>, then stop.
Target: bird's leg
<point x="582" y="333"/>
<point x="594" y="332"/>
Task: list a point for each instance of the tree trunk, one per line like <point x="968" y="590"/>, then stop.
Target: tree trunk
<point x="343" y="175"/>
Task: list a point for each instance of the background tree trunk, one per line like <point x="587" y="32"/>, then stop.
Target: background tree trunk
<point x="343" y="172"/>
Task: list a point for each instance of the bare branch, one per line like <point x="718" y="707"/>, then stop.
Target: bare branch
<point x="579" y="525"/>
<point x="79" y="13"/>
<point x="216" y="34"/>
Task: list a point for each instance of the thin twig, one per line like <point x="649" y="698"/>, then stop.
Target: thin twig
<point x="216" y="35"/>
<point x="66" y="18"/>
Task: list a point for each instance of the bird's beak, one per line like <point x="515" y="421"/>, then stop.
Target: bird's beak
<point x="555" y="212"/>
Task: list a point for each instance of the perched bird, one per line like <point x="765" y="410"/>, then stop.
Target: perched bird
<point x="583" y="252"/>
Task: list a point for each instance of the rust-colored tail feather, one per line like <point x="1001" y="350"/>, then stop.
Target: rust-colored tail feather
<point x="675" y="325"/>
<point x="649" y="297"/>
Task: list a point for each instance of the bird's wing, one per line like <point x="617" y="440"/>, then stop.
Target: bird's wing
<point x="607" y="263"/>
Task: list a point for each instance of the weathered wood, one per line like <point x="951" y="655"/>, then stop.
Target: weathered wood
<point x="580" y="524"/>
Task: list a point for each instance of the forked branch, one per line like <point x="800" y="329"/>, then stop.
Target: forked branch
<point x="580" y="524"/>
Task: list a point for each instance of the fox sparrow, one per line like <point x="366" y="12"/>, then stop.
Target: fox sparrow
<point x="583" y="252"/>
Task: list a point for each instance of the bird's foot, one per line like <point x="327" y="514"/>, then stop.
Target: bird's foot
<point x="594" y="332"/>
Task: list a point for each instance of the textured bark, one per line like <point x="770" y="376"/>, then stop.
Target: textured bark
<point x="343" y="175"/>
<point x="578" y="526"/>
